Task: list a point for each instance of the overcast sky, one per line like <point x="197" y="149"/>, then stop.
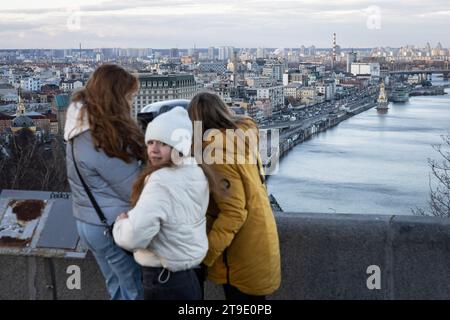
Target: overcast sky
<point x="239" y="23"/>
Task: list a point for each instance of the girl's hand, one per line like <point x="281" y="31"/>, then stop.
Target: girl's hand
<point x="121" y="216"/>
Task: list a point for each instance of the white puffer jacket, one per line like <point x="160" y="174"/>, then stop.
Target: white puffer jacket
<point x="167" y="227"/>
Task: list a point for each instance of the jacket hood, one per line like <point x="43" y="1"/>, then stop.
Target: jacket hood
<point x="73" y="128"/>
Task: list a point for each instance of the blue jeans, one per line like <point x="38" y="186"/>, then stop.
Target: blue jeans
<point x="121" y="272"/>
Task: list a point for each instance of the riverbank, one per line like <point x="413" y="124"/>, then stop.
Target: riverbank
<point x="300" y="135"/>
<point x="429" y="91"/>
<point x="372" y="163"/>
<point x="291" y="138"/>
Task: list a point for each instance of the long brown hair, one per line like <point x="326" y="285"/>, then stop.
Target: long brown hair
<point x="107" y="100"/>
<point x="213" y="113"/>
<point x="139" y="183"/>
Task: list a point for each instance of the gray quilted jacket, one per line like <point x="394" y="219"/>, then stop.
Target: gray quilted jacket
<point x="110" y="179"/>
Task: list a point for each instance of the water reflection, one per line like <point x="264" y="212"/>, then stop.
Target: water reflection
<point x="371" y="163"/>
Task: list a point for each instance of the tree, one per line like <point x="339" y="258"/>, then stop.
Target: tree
<point x="31" y="165"/>
<point x="439" y="203"/>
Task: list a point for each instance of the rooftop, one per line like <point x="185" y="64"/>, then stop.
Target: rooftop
<point x="62" y="101"/>
<point x="4" y="116"/>
<point x="6" y="86"/>
<point x="22" y="122"/>
<point x="156" y="77"/>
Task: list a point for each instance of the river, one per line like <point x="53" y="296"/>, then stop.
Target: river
<point x="370" y="163"/>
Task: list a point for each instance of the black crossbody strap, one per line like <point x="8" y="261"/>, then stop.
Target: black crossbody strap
<point x="88" y="191"/>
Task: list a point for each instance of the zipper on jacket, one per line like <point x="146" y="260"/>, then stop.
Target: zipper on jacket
<point x="225" y="261"/>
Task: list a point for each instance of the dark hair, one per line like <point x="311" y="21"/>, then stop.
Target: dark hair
<point x="107" y="100"/>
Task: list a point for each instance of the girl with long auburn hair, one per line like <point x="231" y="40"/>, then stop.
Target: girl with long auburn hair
<point x="104" y="156"/>
<point x="243" y="254"/>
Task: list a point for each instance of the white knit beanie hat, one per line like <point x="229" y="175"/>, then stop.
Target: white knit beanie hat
<point x="174" y="128"/>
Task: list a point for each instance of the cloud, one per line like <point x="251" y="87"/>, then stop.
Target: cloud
<point x="270" y="23"/>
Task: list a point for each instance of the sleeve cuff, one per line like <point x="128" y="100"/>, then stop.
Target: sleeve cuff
<point x="210" y="258"/>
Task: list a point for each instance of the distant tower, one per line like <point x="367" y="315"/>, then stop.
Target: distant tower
<point x="20" y="105"/>
<point x="351" y="58"/>
<point x="211" y="53"/>
<point x="235" y="69"/>
<point x="333" y="62"/>
<point x="21" y="120"/>
<point x="382" y="99"/>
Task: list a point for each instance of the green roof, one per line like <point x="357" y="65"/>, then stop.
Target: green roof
<point x="62" y="101"/>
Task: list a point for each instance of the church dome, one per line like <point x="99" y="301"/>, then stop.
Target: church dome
<point x="22" y="122"/>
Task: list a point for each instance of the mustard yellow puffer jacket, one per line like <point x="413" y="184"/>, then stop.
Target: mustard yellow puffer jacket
<point x="242" y="233"/>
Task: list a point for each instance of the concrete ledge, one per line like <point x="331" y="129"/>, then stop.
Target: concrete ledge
<point x="37" y="278"/>
<point x="324" y="256"/>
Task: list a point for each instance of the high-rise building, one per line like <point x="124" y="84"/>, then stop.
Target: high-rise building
<point x="428" y="49"/>
<point x="230" y="52"/>
<point x="58" y="53"/>
<point x="226" y="53"/>
<point x="211" y="53"/>
<point x="333" y="56"/>
<point x="174" y="53"/>
<point x="68" y="52"/>
<point x="274" y="71"/>
<point x="195" y="54"/>
<point x="108" y="53"/>
<point x="156" y="87"/>
<point x="221" y="53"/>
<point x="351" y="58"/>
<point x="302" y="51"/>
<point x="260" y="53"/>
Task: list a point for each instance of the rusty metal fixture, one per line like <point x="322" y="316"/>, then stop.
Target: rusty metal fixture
<point x="11" y="203"/>
<point x="52" y="234"/>
<point x="20" y="221"/>
<point x="10" y="241"/>
<point x="27" y="210"/>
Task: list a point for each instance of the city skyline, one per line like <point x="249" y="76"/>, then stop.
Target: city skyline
<point x="53" y="24"/>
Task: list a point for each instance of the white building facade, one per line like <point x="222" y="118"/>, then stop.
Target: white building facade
<point x="155" y="87"/>
<point x="372" y="69"/>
